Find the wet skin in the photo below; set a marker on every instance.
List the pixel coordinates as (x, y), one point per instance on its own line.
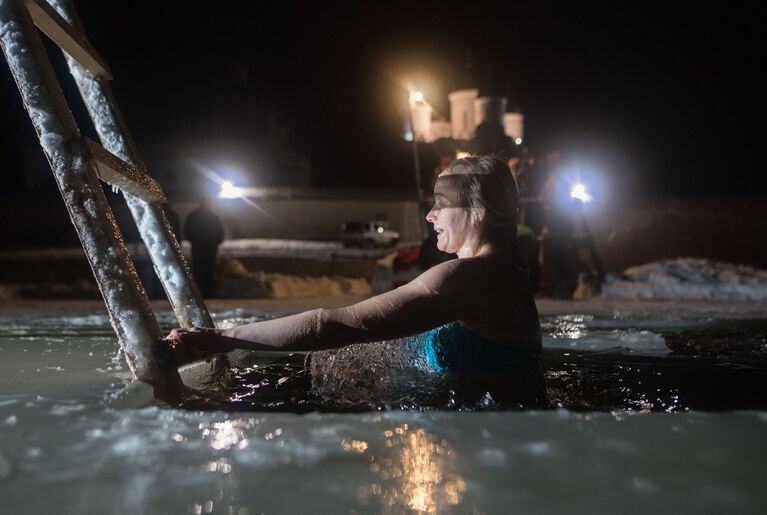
(452, 221)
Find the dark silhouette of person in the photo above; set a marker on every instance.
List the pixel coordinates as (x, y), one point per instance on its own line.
(205, 232)
(490, 138)
(534, 175)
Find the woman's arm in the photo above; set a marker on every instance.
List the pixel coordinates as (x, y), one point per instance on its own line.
(439, 295)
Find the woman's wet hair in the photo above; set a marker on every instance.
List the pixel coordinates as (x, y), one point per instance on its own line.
(486, 182)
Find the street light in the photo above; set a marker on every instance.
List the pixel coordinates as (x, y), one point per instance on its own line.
(580, 192)
(415, 97)
(229, 190)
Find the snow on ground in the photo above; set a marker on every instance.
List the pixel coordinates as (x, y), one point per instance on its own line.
(235, 281)
(680, 279)
(306, 249)
(689, 278)
(250, 245)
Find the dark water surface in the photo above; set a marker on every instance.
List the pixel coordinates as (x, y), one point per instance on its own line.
(710, 366)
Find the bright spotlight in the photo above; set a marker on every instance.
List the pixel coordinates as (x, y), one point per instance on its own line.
(229, 190)
(416, 96)
(462, 155)
(580, 192)
(518, 141)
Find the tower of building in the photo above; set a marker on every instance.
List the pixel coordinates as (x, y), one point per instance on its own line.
(467, 111)
(462, 113)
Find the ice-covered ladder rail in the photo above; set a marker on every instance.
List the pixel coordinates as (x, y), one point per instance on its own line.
(59, 20)
(116, 172)
(74, 163)
(169, 263)
(74, 44)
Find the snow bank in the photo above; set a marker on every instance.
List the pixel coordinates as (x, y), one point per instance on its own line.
(690, 279)
(235, 281)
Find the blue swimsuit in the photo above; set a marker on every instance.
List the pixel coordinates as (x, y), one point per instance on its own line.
(454, 348)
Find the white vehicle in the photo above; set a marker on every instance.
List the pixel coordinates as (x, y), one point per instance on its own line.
(368, 235)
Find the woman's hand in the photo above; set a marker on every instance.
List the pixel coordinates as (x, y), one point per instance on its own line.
(196, 343)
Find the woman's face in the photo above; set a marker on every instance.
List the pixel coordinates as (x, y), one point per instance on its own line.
(452, 220)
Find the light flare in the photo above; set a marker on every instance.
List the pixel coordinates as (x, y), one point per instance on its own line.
(242, 193)
(580, 192)
(229, 190)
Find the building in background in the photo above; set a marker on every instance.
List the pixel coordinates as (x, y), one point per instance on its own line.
(468, 113)
(478, 124)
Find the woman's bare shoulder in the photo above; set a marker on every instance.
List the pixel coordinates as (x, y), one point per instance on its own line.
(456, 274)
(445, 270)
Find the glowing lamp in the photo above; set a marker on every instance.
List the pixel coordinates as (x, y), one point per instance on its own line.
(229, 190)
(580, 192)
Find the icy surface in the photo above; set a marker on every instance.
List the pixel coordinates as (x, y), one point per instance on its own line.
(689, 278)
(164, 461)
(573, 332)
(57, 436)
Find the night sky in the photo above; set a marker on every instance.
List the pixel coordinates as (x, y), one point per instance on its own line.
(661, 100)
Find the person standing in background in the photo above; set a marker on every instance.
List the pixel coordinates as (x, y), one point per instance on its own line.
(205, 232)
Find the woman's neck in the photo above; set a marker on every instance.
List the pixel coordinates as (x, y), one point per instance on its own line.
(476, 249)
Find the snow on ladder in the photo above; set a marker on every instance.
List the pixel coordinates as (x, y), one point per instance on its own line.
(78, 164)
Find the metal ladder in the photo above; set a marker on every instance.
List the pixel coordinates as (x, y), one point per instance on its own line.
(78, 164)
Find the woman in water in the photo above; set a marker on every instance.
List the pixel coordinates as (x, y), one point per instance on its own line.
(472, 313)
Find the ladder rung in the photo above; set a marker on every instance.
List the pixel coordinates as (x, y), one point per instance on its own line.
(113, 170)
(67, 38)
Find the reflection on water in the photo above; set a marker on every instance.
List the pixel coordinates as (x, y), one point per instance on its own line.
(417, 475)
(566, 326)
(224, 435)
(354, 445)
